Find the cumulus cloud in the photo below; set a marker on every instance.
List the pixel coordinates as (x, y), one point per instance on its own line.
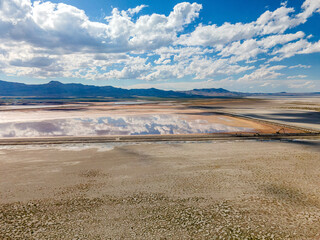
(274, 40)
(14, 10)
(300, 47)
(263, 73)
(309, 7)
(64, 27)
(250, 49)
(44, 29)
(46, 40)
(276, 22)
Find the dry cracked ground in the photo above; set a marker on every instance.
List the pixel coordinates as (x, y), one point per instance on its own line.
(208, 190)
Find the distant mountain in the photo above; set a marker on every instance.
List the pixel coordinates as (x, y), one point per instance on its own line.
(220, 92)
(213, 92)
(55, 89)
(285, 94)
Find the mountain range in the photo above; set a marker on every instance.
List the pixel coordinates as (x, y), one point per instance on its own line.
(55, 89)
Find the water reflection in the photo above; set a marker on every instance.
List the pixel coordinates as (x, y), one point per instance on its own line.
(115, 125)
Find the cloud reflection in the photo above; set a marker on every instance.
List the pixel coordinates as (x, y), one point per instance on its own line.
(115, 125)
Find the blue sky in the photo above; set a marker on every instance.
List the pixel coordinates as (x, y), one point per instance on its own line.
(248, 45)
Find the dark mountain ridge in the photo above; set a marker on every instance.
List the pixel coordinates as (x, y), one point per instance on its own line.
(55, 89)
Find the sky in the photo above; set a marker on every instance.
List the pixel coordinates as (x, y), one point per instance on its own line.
(247, 45)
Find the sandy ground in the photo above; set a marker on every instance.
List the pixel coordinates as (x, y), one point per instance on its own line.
(208, 190)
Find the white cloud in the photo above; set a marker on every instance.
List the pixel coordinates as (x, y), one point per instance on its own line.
(250, 49)
(276, 22)
(14, 10)
(300, 66)
(212, 35)
(263, 73)
(66, 34)
(246, 50)
(300, 47)
(46, 40)
(154, 31)
(274, 40)
(245, 41)
(64, 27)
(301, 84)
(297, 76)
(197, 67)
(310, 48)
(180, 53)
(309, 7)
(136, 10)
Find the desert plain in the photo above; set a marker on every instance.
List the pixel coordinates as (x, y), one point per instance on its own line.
(262, 188)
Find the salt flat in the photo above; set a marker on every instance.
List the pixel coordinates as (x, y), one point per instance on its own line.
(150, 190)
(237, 189)
(295, 111)
(138, 118)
